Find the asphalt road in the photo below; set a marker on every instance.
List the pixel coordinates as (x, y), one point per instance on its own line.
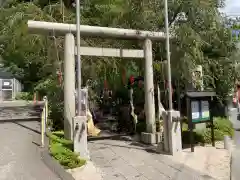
(20, 158)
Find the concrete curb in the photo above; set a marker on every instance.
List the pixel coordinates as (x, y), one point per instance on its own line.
(231, 174)
(53, 165)
(231, 161)
(19, 119)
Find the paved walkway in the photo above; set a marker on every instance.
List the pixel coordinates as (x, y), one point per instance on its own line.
(236, 151)
(124, 160)
(19, 155)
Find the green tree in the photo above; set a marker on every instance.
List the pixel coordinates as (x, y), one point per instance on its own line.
(201, 40)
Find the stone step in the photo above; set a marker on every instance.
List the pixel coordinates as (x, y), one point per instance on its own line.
(20, 110)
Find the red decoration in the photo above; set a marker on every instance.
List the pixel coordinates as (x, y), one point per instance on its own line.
(234, 100)
(105, 84)
(59, 74)
(131, 79)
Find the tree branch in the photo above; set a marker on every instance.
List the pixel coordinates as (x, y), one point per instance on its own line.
(172, 18)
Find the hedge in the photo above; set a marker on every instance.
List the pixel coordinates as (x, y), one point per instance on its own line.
(62, 150)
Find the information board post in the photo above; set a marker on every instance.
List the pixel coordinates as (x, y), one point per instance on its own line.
(190, 125)
(212, 132)
(199, 111)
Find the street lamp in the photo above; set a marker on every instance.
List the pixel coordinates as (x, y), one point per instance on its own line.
(81, 143)
(181, 17)
(78, 57)
(168, 62)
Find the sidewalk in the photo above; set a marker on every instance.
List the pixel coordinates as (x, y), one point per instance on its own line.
(213, 161)
(20, 158)
(235, 164)
(235, 160)
(125, 160)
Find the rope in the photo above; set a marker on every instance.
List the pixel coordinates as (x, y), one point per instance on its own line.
(60, 67)
(62, 8)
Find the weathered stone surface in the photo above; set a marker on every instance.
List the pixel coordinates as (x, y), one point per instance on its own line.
(19, 109)
(134, 161)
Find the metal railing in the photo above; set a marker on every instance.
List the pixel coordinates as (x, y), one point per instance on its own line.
(44, 121)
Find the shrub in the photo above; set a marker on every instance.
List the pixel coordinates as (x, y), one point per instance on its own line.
(59, 134)
(24, 96)
(184, 127)
(62, 150)
(207, 136)
(222, 127)
(141, 126)
(58, 137)
(65, 156)
(198, 138)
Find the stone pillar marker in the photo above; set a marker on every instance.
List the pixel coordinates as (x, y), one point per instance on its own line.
(172, 133)
(80, 136)
(69, 85)
(175, 138)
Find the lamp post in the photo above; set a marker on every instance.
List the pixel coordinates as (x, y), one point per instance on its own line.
(80, 144)
(181, 17)
(78, 57)
(168, 61)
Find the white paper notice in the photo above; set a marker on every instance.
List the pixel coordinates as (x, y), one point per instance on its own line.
(205, 109)
(195, 110)
(6, 83)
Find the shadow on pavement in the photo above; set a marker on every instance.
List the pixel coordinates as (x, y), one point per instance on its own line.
(27, 127)
(24, 119)
(35, 143)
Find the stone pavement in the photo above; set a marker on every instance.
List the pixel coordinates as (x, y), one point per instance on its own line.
(214, 161)
(86, 172)
(236, 157)
(20, 158)
(236, 151)
(126, 160)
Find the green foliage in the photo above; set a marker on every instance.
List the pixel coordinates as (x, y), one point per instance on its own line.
(141, 126)
(60, 149)
(49, 87)
(207, 137)
(24, 96)
(58, 137)
(222, 127)
(201, 40)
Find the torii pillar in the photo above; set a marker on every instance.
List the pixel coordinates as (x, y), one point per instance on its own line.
(69, 85)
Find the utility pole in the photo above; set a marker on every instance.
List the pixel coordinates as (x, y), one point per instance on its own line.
(80, 121)
(78, 57)
(168, 60)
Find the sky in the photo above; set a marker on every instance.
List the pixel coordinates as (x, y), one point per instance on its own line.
(232, 7)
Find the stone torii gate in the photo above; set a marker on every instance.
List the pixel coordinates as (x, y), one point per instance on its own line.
(67, 30)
